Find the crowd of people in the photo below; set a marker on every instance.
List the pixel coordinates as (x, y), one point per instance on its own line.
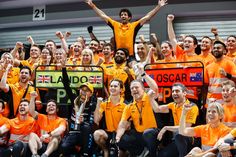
(127, 116)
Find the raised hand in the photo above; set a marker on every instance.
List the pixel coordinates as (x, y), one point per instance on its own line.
(59, 34)
(170, 17)
(33, 94)
(162, 3)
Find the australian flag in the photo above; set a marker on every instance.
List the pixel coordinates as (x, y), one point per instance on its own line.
(44, 79)
(196, 77)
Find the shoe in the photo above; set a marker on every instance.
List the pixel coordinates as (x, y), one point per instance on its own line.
(44, 155)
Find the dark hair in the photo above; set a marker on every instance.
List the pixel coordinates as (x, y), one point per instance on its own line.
(95, 40)
(127, 11)
(24, 100)
(207, 38)
(110, 45)
(54, 101)
(167, 42)
(35, 45)
(219, 42)
(26, 67)
(231, 36)
(183, 87)
(194, 39)
(126, 51)
(3, 103)
(118, 80)
(51, 41)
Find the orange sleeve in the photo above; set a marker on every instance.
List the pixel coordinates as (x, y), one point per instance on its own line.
(179, 52)
(102, 107)
(192, 115)
(198, 130)
(126, 113)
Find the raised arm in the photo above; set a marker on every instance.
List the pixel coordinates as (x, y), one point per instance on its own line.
(150, 14)
(15, 51)
(3, 84)
(171, 32)
(32, 111)
(99, 12)
(64, 44)
(183, 130)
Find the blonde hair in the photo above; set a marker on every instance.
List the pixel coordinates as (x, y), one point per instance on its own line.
(90, 52)
(219, 108)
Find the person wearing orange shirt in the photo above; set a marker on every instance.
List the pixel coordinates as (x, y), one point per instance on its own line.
(227, 144)
(35, 52)
(51, 127)
(121, 71)
(20, 128)
(113, 109)
(206, 47)
(125, 31)
(179, 92)
(231, 47)
(19, 90)
(229, 104)
(209, 133)
(77, 49)
(142, 116)
(4, 137)
(218, 71)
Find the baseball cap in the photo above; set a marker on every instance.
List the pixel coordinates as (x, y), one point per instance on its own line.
(89, 85)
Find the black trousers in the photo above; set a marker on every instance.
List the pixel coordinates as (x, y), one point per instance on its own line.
(82, 138)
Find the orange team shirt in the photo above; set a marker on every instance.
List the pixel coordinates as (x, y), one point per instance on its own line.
(214, 78)
(28, 63)
(97, 56)
(148, 117)
(48, 125)
(113, 114)
(20, 129)
(125, 34)
(233, 132)
(177, 111)
(18, 92)
(70, 61)
(182, 56)
(172, 65)
(3, 138)
(229, 113)
(209, 136)
(231, 55)
(207, 59)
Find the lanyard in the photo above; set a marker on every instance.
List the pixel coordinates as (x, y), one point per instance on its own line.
(140, 113)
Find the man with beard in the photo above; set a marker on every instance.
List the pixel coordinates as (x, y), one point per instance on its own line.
(51, 128)
(121, 71)
(179, 92)
(218, 71)
(20, 128)
(126, 31)
(80, 118)
(206, 56)
(94, 46)
(18, 90)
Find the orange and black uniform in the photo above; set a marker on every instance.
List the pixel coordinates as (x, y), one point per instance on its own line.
(143, 118)
(125, 34)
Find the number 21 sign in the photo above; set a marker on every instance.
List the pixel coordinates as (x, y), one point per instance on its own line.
(39, 13)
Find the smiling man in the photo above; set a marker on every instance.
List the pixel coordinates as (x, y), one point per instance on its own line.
(51, 127)
(126, 31)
